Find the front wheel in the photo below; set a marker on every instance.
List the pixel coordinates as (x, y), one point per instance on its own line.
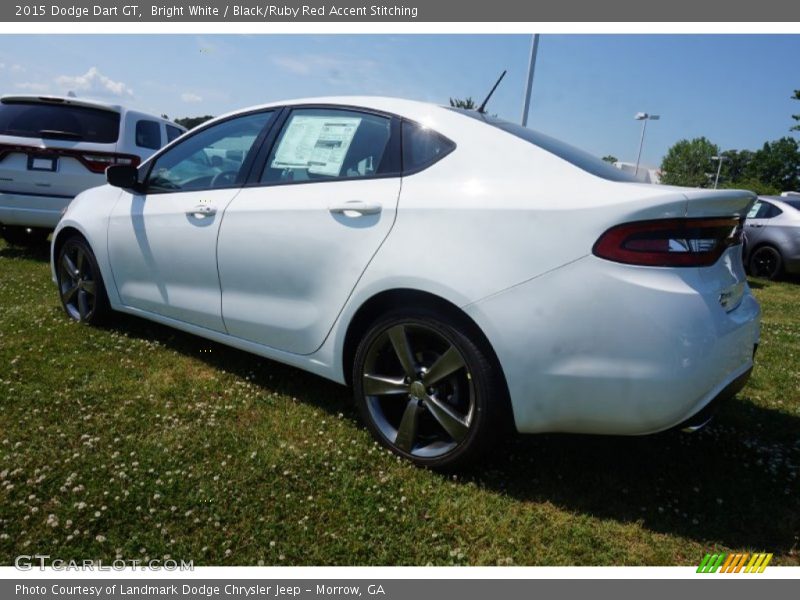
(766, 262)
(80, 284)
(426, 390)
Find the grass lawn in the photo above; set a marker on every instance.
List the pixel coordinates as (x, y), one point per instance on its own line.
(140, 441)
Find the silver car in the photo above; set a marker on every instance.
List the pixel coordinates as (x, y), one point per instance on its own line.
(772, 237)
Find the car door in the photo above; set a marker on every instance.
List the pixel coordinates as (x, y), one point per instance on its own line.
(162, 242)
(294, 243)
(758, 217)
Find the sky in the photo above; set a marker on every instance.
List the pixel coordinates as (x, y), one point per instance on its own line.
(734, 89)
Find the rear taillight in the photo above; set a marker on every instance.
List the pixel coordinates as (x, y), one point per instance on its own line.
(670, 242)
(96, 162)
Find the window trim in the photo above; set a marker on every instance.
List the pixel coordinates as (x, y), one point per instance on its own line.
(247, 164)
(260, 163)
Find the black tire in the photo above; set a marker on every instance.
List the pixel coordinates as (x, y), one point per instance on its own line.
(18, 235)
(766, 262)
(456, 418)
(80, 283)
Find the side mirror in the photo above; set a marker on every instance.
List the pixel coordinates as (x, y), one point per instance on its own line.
(123, 176)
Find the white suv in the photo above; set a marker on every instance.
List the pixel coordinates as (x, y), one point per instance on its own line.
(52, 148)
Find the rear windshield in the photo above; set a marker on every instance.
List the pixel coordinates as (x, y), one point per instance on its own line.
(59, 121)
(581, 159)
(793, 203)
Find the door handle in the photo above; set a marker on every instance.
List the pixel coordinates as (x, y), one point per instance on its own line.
(754, 225)
(201, 211)
(358, 207)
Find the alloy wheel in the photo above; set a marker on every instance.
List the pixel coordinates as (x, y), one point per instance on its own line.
(766, 262)
(418, 389)
(77, 282)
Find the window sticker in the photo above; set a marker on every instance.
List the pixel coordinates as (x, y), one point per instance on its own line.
(316, 143)
(754, 210)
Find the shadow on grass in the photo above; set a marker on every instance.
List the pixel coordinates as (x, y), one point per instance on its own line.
(734, 482)
(37, 252)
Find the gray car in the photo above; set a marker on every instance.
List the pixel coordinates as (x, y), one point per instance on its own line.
(772, 237)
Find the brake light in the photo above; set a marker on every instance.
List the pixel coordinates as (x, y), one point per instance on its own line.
(670, 242)
(96, 162)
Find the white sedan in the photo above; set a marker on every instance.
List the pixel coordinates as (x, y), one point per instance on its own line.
(463, 274)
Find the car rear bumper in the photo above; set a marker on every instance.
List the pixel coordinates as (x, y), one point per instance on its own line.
(599, 347)
(701, 418)
(32, 210)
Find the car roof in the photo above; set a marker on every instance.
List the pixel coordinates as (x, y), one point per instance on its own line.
(779, 201)
(65, 100)
(412, 109)
(87, 102)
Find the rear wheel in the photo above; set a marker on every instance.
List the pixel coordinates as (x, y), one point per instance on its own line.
(766, 262)
(426, 390)
(18, 235)
(80, 284)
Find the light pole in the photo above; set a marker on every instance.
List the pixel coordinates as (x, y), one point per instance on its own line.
(529, 84)
(720, 159)
(644, 118)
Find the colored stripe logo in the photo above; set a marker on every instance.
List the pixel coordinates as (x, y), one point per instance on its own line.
(735, 563)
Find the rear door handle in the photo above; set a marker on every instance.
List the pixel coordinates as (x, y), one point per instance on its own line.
(355, 208)
(202, 210)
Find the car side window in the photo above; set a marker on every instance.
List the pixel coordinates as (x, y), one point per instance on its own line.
(148, 134)
(422, 147)
(763, 210)
(211, 158)
(323, 144)
(173, 133)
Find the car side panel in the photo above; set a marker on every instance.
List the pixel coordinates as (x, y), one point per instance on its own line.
(600, 347)
(786, 238)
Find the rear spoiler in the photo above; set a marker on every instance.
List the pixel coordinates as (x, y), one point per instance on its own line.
(717, 203)
(8, 99)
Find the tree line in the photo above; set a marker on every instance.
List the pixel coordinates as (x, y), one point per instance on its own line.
(770, 170)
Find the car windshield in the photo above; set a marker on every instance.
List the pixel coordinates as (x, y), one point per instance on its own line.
(575, 156)
(59, 121)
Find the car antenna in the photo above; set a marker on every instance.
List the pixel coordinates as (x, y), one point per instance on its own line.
(482, 107)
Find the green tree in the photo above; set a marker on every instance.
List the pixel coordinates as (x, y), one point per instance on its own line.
(754, 185)
(777, 164)
(796, 127)
(737, 165)
(688, 163)
(610, 158)
(192, 122)
(467, 103)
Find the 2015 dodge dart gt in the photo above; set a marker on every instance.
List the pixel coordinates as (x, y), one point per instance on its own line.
(460, 272)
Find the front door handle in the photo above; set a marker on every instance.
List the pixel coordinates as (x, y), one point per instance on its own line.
(355, 208)
(202, 211)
